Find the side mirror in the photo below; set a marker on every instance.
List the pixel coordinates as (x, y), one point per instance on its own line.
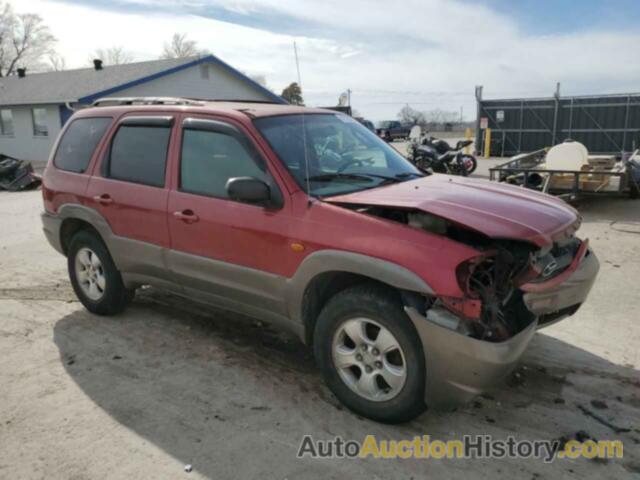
(249, 190)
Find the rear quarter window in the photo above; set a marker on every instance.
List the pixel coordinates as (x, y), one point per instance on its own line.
(78, 143)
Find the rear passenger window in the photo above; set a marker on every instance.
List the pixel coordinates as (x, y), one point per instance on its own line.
(78, 143)
(209, 159)
(139, 154)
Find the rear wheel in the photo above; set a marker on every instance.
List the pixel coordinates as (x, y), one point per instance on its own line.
(370, 354)
(94, 277)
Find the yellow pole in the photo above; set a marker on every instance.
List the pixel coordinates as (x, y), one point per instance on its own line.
(487, 143)
(467, 136)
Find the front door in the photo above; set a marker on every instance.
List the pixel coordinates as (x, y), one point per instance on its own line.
(222, 248)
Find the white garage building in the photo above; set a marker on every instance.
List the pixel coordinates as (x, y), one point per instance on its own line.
(34, 107)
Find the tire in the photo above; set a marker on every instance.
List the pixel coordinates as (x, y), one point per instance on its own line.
(109, 297)
(473, 161)
(378, 307)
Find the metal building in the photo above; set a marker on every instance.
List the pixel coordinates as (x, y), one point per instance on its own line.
(605, 124)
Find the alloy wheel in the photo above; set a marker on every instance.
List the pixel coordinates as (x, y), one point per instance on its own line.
(369, 359)
(90, 273)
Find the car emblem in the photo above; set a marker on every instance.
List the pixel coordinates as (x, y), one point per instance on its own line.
(549, 268)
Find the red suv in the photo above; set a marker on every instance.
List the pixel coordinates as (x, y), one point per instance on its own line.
(414, 290)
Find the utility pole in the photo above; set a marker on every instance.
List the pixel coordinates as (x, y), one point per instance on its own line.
(349, 96)
(556, 97)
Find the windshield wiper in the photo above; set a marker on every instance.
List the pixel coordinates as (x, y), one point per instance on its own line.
(352, 176)
(386, 178)
(408, 174)
(334, 176)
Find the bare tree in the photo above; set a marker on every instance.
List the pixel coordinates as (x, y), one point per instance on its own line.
(112, 56)
(180, 47)
(411, 116)
(437, 117)
(24, 40)
(57, 62)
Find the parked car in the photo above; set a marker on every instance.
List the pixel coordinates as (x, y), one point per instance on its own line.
(391, 130)
(412, 290)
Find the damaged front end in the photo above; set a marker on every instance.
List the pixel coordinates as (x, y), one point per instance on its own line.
(505, 288)
(492, 279)
(518, 284)
(510, 289)
(522, 268)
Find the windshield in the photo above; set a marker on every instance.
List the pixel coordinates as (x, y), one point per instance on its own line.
(343, 156)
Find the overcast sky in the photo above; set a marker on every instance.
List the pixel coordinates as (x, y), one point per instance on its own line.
(427, 53)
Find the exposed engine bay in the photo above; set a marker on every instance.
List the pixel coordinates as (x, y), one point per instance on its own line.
(492, 308)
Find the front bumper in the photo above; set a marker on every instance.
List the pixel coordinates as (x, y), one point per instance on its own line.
(557, 303)
(460, 367)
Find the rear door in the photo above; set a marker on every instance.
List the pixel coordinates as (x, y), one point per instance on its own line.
(129, 191)
(223, 248)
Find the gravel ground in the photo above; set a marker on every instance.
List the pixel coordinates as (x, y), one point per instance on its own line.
(170, 383)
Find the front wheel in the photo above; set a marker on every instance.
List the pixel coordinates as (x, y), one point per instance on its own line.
(370, 354)
(470, 163)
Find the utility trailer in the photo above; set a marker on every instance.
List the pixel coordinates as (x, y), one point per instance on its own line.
(603, 176)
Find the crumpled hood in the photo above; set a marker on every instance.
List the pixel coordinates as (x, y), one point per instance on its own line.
(494, 209)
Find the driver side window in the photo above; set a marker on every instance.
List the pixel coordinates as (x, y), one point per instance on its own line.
(209, 159)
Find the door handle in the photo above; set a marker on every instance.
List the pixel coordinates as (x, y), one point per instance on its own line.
(187, 216)
(103, 199)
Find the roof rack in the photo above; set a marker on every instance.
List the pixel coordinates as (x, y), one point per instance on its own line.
(116, 101)
(239, 100)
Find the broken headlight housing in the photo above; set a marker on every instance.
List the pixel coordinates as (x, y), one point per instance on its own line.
(493, 279)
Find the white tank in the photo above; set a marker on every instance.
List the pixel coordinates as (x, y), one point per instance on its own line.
(567, 156)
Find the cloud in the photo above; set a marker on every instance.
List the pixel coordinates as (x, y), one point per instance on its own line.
(428, 53)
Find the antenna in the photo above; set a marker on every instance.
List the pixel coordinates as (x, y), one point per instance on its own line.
(304, 129)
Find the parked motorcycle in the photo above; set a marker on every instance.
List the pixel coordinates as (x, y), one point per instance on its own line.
(436, 155)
